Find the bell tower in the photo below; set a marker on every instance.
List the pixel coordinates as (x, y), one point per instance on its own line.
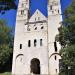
(21, 19)
(54, 20)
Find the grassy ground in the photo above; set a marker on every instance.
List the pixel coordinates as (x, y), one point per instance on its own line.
(6, 73)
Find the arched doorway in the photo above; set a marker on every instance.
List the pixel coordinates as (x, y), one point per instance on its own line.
(35, 66)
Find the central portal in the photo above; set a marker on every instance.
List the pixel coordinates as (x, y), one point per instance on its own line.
(35, 66)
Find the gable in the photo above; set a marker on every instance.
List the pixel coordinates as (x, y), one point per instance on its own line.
(37, 16)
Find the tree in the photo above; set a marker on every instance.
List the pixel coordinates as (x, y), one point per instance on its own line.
(6, 43)
(67, 29)
(67, 38)
(6, 5)
(63, 36)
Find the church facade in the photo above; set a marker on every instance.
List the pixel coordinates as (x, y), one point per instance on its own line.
(35, 49)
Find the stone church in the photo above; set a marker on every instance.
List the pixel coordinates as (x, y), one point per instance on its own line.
(35, 49)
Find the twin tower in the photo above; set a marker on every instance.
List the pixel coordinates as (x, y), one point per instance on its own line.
(35, 49)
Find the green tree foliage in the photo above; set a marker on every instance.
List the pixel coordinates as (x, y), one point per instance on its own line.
(6, 5)
(67, 38)
(6, 43)
(63, 36)
(69, 21)
(68, 55)
(68, 60)
(67, 30)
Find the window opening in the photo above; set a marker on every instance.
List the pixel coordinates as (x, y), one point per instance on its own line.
(55, 46)
(38, 18)
(35, 41)
(55, 57)
(22, 12)
(58, 11)
(29, 43)
(41, 42)
(56, 70)
(42, 27)
(51, 7)
(35, 28)
(35, 19)
(20, 46)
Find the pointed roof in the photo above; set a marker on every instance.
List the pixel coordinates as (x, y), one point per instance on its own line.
(37, 16)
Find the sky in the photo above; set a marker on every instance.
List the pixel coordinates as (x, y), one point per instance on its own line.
(10, 16)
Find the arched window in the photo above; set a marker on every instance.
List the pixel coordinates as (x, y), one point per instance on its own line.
(29, 43)
(41, 42)
(35, 42)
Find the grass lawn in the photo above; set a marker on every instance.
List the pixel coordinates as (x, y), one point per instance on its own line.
(5, 73)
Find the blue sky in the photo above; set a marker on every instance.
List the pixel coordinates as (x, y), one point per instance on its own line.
(38, 4)
(10, 16)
